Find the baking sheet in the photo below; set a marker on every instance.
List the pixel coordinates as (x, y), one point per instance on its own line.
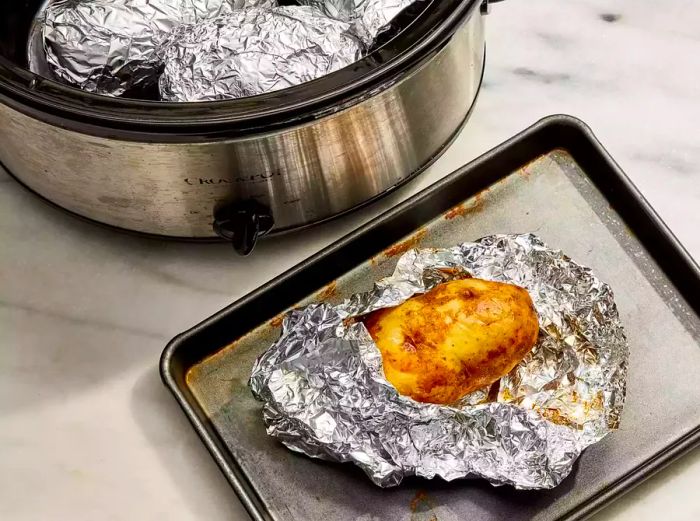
(554, 180)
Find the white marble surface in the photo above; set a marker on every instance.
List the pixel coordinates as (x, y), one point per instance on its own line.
(86, 429)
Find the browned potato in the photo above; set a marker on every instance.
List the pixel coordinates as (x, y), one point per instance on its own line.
(457, 338)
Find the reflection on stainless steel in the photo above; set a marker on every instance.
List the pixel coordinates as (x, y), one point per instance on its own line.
(303, 174)
(111, 46)
(254, 51)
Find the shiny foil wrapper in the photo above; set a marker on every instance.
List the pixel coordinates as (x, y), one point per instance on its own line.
(254, 51)
(369, 17)
(111, 47)
(325, 395)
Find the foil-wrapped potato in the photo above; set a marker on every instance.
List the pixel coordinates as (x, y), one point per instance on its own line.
(455, 339)
(369, 17)
(254, 51)
(112, 47)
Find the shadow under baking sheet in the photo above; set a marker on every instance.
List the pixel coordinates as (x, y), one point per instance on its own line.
(554, 180)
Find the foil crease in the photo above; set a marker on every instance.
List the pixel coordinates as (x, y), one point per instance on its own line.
(255, 51)
(111, 47)
(369, 17)
(324, 393)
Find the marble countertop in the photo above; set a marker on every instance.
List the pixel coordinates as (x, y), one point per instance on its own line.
(87, 431)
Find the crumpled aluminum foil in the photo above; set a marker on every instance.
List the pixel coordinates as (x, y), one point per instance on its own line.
(254, 51)
(369, 17)
(112, 46)
(325, 394)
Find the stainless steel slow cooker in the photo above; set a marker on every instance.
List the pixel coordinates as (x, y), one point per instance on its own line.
(243, 168)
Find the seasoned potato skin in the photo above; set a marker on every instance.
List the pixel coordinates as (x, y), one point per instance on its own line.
(457, 338)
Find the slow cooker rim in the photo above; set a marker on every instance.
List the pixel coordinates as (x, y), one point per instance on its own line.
(76, 109)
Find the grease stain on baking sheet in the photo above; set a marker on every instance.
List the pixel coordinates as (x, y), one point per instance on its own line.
(197, 371)
(525, 173)
(458, 211)
(407, 245)
(277, 320)
(328, 292)
(421, 506)
(467, 208)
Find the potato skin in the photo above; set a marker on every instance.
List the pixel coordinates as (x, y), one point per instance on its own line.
(459, 337)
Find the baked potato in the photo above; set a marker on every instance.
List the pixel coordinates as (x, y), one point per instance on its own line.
(459, 337)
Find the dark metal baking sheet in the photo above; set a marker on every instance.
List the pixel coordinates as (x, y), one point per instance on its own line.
(554, 179)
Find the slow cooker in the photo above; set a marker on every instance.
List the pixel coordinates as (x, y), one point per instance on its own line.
(243, 168)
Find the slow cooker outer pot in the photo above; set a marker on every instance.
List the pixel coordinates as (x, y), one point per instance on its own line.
(302, 175)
